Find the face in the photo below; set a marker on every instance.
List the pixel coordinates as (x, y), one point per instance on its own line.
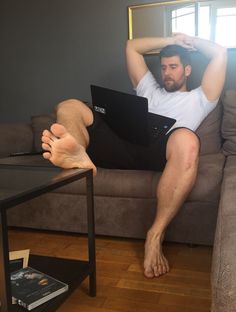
(174, 74)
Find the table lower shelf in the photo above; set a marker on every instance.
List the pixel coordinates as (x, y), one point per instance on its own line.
(71, 272)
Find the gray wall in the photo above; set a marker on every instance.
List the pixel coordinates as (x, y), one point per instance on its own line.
(52, 50)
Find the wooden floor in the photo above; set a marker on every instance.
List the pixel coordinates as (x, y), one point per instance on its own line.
(121, 285)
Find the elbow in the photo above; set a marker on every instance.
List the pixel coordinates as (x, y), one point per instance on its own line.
(226, 53)
(221, 56)
(224, 56)
(128, 44)
(223, 52)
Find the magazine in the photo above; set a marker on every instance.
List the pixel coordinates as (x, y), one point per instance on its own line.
(30, 287)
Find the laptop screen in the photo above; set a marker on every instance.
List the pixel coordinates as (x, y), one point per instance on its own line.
(125, 114)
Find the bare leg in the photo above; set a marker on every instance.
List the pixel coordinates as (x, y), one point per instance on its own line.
(65, 144)
(175, 184)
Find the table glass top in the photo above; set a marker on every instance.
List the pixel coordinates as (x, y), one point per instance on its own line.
(17, 181)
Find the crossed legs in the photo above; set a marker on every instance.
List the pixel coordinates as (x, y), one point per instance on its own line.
(65, 146)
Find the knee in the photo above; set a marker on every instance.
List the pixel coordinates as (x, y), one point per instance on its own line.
(184, 145)
(74, 108)
(71, 104)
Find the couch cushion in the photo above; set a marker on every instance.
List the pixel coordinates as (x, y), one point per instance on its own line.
(139, 183)
(210, 132)
(40, 123)
(15, 138)
(210, 174)
(228, 123)
(142, 184)
(26, 160)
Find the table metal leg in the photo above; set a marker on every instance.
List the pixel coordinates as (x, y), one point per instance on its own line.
(5, 288)
(91, 234)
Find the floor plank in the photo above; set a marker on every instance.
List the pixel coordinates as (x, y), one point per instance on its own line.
(121, 285)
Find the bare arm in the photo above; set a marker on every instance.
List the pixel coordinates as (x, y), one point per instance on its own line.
(135, 50)
(214, 76)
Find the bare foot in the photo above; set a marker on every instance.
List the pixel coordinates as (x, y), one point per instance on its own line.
(62, 149)
(155, 263)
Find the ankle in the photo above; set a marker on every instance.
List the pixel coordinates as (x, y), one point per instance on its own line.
(153, 234)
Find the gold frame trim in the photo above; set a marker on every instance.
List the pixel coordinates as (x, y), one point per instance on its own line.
(140, 6)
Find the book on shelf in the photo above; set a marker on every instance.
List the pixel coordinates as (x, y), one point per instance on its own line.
(18, 259)
(31, 288)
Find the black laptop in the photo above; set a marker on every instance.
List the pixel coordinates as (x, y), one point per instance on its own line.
(127, 115)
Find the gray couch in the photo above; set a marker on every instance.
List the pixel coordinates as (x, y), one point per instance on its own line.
(125, 200)
(224, 253)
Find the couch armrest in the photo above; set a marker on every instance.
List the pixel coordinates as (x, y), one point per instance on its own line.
(15, 138)
(228, 123)
(224, 253)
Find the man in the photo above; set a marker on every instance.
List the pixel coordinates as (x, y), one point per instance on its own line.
(176, 154)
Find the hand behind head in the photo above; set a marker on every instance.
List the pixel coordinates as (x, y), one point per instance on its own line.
(184, 41)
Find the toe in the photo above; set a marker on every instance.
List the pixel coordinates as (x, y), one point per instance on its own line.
(167, 266)
(46, 139)
(58, 130)
(148, 273)
(160, 269)
(156, 271)
(46, 147)
(47, 155)
(46, 133)
(164, 270)
(48, 136)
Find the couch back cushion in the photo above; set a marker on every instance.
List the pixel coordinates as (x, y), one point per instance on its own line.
(209, 132)
(40, 123)
(15, 138)
(229, 123)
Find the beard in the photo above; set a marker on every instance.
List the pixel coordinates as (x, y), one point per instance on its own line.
(171, 85)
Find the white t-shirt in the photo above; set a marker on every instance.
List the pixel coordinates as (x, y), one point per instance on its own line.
(188, 108)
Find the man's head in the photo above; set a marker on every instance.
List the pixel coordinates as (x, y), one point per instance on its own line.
(175, 67)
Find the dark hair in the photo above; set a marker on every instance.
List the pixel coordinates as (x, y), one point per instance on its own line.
(176, 50)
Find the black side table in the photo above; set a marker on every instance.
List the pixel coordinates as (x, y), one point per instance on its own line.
(21, 183)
